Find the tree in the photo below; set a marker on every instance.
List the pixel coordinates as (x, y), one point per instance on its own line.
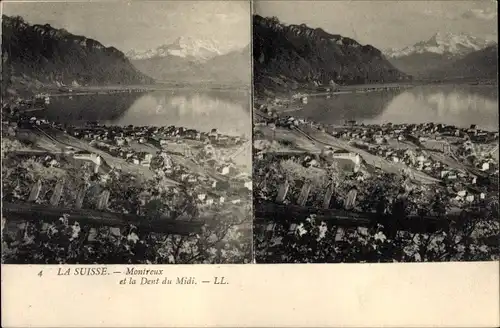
(274, 20)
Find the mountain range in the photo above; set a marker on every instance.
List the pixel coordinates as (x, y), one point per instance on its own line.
(183, 47)
(481, 64)
(42, 54)
(438, 56)
(294, 56)
(188, 59)
(284, 56)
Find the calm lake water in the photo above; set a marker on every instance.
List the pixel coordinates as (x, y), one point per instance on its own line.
(459, 105)
(228, 111)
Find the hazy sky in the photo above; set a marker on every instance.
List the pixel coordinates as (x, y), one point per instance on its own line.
(387, 24)
(142, 24)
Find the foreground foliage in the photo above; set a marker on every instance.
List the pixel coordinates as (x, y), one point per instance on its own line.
(225, 239)
(316, 241)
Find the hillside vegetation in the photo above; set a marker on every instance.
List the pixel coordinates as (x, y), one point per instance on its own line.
(297, 55)
(41, 55)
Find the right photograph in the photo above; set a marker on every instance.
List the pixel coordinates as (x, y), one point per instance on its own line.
(375, 131)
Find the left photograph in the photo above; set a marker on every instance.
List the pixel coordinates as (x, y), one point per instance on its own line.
(126, 132)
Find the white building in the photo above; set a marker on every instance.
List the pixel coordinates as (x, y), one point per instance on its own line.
(87, 156)
(224, 170)
(120, 141)
(444, 173)
(342, 157)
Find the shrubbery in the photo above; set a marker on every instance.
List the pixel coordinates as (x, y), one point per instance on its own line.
(315, 241)
(225, 239)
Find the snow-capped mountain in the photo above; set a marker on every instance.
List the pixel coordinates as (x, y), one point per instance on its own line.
(187, 61)
(183, 47)
(441, 50)
(445, 44)
(481, 64)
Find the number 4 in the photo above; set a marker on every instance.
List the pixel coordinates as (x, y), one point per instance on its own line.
(40, 273)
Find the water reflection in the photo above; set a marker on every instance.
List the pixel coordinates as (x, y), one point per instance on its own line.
(352, 106)
(454, 104)
(80, 109)
(229, 112)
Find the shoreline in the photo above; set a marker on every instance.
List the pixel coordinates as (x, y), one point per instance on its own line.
(55, 91)
(364, 88)
(104, 91)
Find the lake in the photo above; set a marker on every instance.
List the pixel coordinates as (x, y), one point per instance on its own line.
(459, 105)
(227, 111)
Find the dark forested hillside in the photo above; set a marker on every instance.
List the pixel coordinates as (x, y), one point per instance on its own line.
(47, 55)
(295, 55)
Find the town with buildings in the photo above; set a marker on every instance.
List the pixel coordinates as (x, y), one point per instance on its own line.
(157, 149)
(212, 169)
(458, 166)
(466, 156)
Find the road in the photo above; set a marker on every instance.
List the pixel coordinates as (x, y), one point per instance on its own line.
(494, 152)
(160, 86)
(362, 88)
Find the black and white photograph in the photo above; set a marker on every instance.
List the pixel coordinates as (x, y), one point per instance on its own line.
(375, 131)
(126, 132)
